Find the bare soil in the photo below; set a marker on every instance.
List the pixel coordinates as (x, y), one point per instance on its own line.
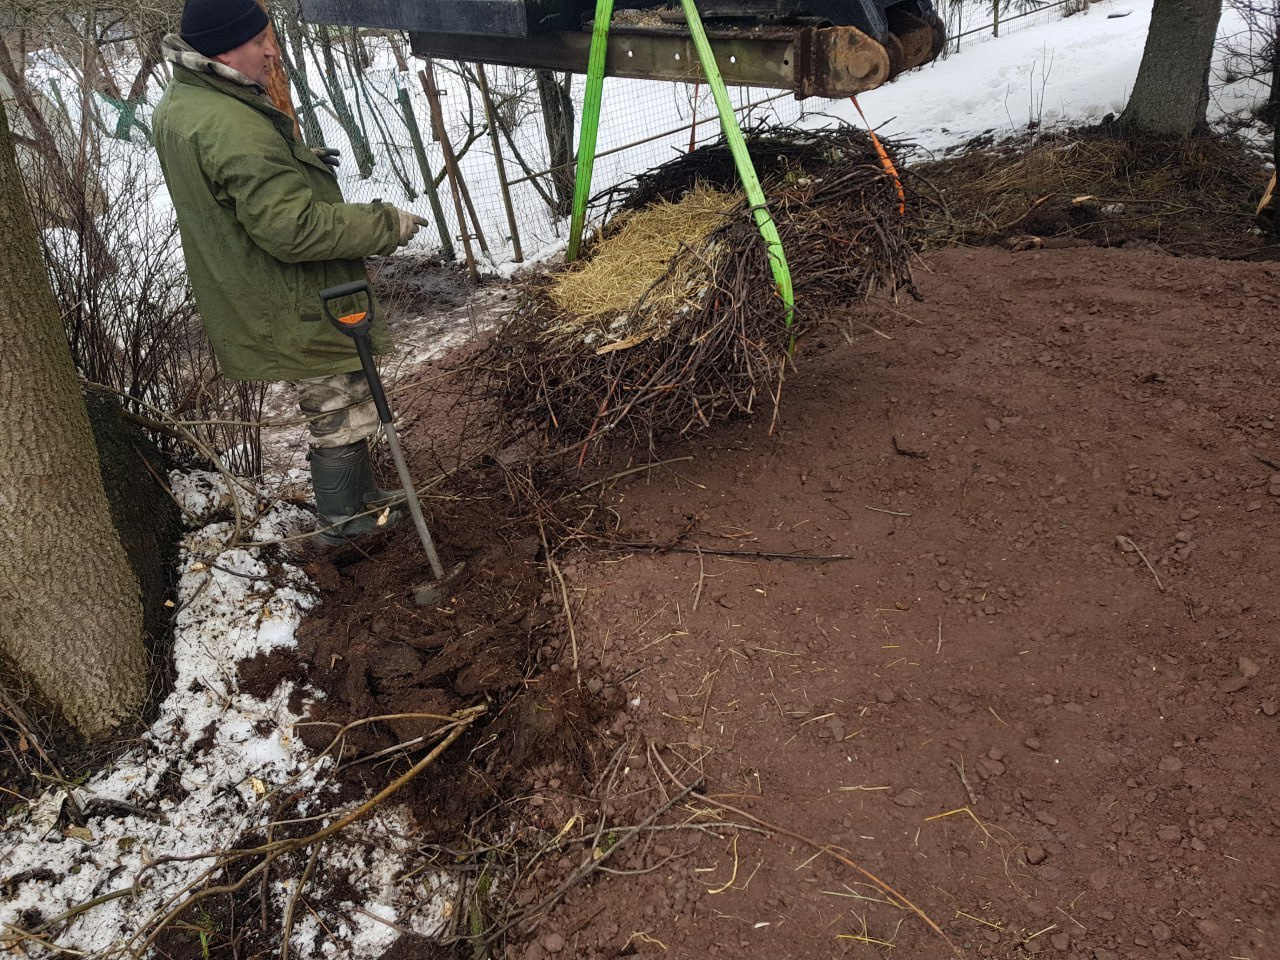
(984, 620)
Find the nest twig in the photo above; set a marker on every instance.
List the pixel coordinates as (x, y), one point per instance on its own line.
(705, 338)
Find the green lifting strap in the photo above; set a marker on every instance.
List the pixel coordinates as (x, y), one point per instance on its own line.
(742, 159)
(590, 125)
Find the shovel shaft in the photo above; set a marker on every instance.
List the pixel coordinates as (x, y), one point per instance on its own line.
(357, 327)
(375, 382)
(415, 509)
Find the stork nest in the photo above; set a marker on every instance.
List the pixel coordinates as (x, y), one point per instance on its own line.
(673, 319)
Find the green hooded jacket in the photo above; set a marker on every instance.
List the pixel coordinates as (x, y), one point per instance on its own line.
(264, 229)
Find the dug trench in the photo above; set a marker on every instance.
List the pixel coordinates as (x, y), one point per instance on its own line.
(980, 637)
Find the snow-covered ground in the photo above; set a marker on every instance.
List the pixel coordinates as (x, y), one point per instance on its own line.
(208, 767)
(228, 751)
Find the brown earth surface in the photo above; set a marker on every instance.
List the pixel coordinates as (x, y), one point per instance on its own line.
(979, 635)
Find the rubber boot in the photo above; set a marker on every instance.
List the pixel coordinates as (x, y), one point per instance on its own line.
(345, 489)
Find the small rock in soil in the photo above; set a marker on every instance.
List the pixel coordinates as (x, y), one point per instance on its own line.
(885, 695)
(1170, 764)
(1161, 932)
(907, 798)
(1036, 854)
(553, 943)
(1248, 668)
(1233, 684)
(1060, 942)
(1270, 708)
(990, 768)
(1210, 930)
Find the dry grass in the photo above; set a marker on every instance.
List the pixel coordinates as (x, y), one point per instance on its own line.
(1194, 196)
(638, 256)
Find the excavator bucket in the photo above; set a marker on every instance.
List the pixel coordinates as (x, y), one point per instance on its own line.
(825, 48)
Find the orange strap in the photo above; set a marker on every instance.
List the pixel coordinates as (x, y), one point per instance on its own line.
(885, 160)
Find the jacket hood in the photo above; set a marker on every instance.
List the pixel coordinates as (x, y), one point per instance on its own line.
(181, 54)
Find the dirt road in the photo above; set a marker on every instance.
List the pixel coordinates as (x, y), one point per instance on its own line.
(1022, 667)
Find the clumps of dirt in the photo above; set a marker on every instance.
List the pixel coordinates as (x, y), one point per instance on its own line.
(412, 286)
(390, 673)
(1094, 187)
(707, 330)
(261, 674)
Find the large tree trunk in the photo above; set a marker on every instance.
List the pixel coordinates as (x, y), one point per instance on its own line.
(1171, 93)
(70, 614)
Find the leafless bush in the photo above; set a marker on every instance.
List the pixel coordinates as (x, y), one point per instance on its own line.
(128, 309)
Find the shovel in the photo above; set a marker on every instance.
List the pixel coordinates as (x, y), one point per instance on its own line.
(357, 327)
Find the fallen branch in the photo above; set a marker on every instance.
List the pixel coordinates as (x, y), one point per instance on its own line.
(758, 554)
(193, 893)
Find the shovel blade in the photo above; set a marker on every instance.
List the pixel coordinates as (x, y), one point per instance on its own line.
(435, 592)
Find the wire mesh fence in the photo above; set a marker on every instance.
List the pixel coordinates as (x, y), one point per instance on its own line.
(511, 190)
(513, 133)
(486, 154)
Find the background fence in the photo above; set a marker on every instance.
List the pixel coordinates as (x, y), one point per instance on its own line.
(644, 123)
(512, 131)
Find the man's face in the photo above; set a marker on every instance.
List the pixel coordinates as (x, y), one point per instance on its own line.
(253, 59)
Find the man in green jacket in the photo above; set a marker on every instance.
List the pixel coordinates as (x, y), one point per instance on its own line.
(264, 229)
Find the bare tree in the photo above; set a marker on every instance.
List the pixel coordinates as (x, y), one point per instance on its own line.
(555, 93)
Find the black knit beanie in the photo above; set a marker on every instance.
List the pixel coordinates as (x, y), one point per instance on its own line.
(216, 26)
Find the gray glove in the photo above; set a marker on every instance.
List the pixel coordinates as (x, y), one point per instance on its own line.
(410, 224)
(328, 155)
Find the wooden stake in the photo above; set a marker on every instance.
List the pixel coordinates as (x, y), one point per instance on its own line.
(424, 166)
(427, 76)
(492, 119)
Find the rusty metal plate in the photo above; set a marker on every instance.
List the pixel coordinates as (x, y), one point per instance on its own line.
(828, 62)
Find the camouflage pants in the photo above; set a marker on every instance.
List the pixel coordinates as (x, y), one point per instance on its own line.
(339, 408)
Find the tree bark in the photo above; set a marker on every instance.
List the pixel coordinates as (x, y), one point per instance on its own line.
(555, 96)
(70, 614)
(1171, 94)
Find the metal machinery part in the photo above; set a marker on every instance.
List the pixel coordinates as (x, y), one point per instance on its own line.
(822, 48)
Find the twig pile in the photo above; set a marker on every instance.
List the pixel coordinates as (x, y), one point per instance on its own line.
(673, 321)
